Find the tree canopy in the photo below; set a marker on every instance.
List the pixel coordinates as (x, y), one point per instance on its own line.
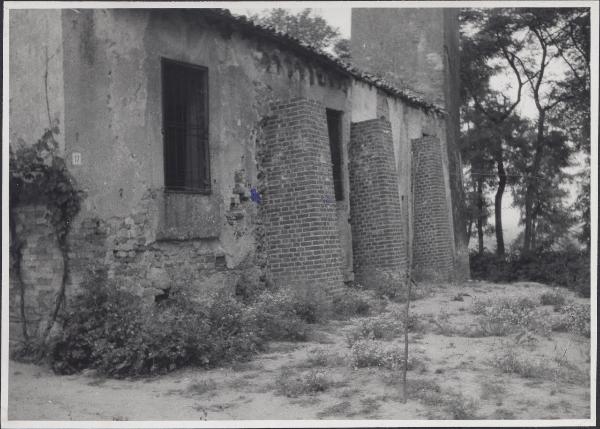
(307, 27)
(542, 54)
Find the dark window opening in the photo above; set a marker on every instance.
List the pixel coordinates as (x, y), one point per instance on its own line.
(334, 126)
(185, 127)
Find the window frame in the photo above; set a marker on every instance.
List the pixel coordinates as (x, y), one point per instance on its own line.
(207, 189)
(338, 115)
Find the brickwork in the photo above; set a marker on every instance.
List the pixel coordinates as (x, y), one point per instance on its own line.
(302, 241)
(432, 242)
(375, 209)
(41, 272)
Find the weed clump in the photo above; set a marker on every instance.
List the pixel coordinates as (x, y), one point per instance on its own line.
(319, 358)
(574, 318)
(390, 285)
(460, 407)
(293, 385)
(353, 302)
(370, 353)
(508, 316)
(554, 298)
(375, 328)
(510, 362)
(278, 316)
(385, 326)
(455, 404)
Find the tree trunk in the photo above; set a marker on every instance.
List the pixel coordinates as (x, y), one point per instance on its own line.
(498, 205)
(534, 226)
(532, 184)
(480, 216)
(469, 230)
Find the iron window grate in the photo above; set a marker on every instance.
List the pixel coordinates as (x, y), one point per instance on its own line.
(185, 127)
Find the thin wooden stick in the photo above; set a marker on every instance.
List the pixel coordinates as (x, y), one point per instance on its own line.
(409, 280)
(405, 369)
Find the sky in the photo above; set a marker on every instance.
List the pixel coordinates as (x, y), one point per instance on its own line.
(340, 17)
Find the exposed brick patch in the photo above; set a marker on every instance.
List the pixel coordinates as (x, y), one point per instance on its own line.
(41, 271)
(432, 242)
(375, 210)
(302, 243)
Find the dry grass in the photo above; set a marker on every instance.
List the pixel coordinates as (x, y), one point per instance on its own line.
(339, 409)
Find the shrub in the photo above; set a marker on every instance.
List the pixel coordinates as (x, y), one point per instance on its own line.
(554, 298)
(460, 407)
(381, 327)
(386, 326)
(292, 385)
(274, 313)
(508, 361)
(310, 303)
(250, 284)
(352, 302)
(383, 283)
(565, 268)
(112, 331)
(317, 357)
(576, 318)
(509, 315)
(369, 353)
(454, 403)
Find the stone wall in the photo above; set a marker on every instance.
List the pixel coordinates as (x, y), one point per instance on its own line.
(302, 242)
(432, 239)
(378, 241)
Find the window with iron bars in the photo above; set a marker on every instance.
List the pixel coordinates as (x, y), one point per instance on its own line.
(185, 127)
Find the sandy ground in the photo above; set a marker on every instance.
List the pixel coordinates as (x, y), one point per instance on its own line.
(251, 390)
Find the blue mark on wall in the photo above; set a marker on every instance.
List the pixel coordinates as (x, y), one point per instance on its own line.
(255, 196)
(328, 199)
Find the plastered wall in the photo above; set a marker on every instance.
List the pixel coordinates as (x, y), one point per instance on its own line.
(107, 93)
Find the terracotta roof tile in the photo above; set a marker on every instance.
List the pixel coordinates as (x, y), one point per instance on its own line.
(328, 59)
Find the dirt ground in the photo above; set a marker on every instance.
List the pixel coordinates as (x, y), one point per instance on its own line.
(448, 362)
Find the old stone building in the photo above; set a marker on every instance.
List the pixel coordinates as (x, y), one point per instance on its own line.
(212, 150)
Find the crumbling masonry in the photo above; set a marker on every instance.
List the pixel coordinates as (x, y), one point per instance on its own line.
(212, 151)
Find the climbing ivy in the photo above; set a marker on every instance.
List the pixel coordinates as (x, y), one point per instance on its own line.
(38, 175)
